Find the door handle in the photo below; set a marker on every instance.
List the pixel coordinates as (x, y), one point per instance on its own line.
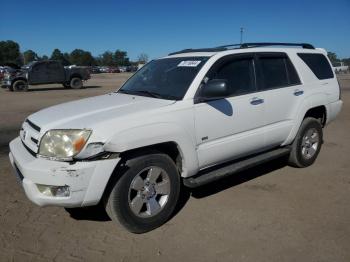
(298, 92)
(257, 101)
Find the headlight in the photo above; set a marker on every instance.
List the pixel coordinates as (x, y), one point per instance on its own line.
(63, 144)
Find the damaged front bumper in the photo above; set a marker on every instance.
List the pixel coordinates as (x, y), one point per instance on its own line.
(84, 182)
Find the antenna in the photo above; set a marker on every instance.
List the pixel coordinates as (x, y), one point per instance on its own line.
(242, 30)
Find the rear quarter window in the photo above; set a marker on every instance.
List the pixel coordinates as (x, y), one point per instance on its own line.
(318, 64)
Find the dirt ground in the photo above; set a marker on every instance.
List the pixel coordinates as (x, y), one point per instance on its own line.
(269, 213)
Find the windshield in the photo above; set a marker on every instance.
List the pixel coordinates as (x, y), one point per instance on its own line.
(167, 78)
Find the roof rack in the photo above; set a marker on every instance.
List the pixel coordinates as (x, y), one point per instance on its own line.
(244, 45)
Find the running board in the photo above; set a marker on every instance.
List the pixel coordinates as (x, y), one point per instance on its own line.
(206, 177)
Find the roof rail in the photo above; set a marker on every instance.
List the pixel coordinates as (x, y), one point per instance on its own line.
(303, 45)
(244, 45)
(190, 50)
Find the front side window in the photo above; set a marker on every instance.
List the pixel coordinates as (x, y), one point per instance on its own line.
(167, 78)
(239, 74)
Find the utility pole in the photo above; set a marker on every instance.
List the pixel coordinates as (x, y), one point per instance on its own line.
(242, 30)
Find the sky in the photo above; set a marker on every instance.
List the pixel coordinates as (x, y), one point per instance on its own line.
(159, 27)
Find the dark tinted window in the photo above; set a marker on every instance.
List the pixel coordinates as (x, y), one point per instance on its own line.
(293, 77)
(240, 75)
(274, 72)
(318, 64)
(39, 67)
(53, 66)
(277, 71)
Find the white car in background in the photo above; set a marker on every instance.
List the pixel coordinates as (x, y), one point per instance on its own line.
(189, 118)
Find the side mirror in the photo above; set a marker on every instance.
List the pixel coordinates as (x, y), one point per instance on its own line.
(213, 90)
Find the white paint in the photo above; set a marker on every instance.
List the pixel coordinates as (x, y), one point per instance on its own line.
(124, 122)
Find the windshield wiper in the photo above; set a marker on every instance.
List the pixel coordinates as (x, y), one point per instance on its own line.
(141, 92)
(148, 93)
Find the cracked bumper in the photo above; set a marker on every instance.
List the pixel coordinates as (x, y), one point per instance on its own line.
(86, 180)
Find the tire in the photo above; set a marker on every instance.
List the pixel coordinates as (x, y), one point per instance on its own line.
(19, 86)
(66, 85)
(307, 143)
(76, 83)
(137, 205)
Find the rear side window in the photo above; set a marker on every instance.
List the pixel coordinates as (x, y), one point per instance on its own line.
(277, 71)
(318, 64)
(239, 74)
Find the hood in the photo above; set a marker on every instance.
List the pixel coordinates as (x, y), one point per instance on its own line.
(88, 112)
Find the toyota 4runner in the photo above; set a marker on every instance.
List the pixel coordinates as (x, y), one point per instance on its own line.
(189, 118)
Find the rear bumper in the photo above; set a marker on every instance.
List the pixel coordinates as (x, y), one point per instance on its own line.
(86, 180)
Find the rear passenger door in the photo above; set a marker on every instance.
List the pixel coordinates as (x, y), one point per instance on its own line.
(280, 86)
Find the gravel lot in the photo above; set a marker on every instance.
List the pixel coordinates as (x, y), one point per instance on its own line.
(269, 213)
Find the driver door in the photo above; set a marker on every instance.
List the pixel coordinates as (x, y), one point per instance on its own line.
(38, 73)
(232, 127)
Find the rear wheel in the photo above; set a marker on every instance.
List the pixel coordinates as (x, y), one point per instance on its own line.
(146, 194)
(307, 143)
(76, 83)
(19, 86)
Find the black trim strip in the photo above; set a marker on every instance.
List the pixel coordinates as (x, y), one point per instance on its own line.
(34, 126)
(28, 149)
(19, 174)
(34, 140)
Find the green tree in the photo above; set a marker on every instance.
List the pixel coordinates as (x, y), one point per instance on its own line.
(82, 58)
(333, 57)
(59, 56)
(121, 58)
(29, 56)
(106, 59)
(44, 57)
(9, 52)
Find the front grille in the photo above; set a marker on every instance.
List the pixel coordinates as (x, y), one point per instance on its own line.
(30, 135)
(34, 126)
(34, 140)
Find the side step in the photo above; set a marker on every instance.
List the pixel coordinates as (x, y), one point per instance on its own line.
(206, 177)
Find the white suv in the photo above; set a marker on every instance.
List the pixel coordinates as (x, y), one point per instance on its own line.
(190, 118)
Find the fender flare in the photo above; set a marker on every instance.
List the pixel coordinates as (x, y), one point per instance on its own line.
(309, 103)
(152, 134)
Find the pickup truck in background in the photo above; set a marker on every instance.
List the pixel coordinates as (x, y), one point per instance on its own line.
(45, 72)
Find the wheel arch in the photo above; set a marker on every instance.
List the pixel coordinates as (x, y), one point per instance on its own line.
(318, 111)
(75, 75)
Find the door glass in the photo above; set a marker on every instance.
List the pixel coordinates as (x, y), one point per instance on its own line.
(274, 72)
(239, 74)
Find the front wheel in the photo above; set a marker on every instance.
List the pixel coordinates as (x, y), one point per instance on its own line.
(307, 143)
(146, 194)
(19, 86)
(76, 83)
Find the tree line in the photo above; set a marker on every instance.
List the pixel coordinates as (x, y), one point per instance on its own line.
(10, 53)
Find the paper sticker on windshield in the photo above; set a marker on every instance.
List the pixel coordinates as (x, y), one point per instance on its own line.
(189, 63)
